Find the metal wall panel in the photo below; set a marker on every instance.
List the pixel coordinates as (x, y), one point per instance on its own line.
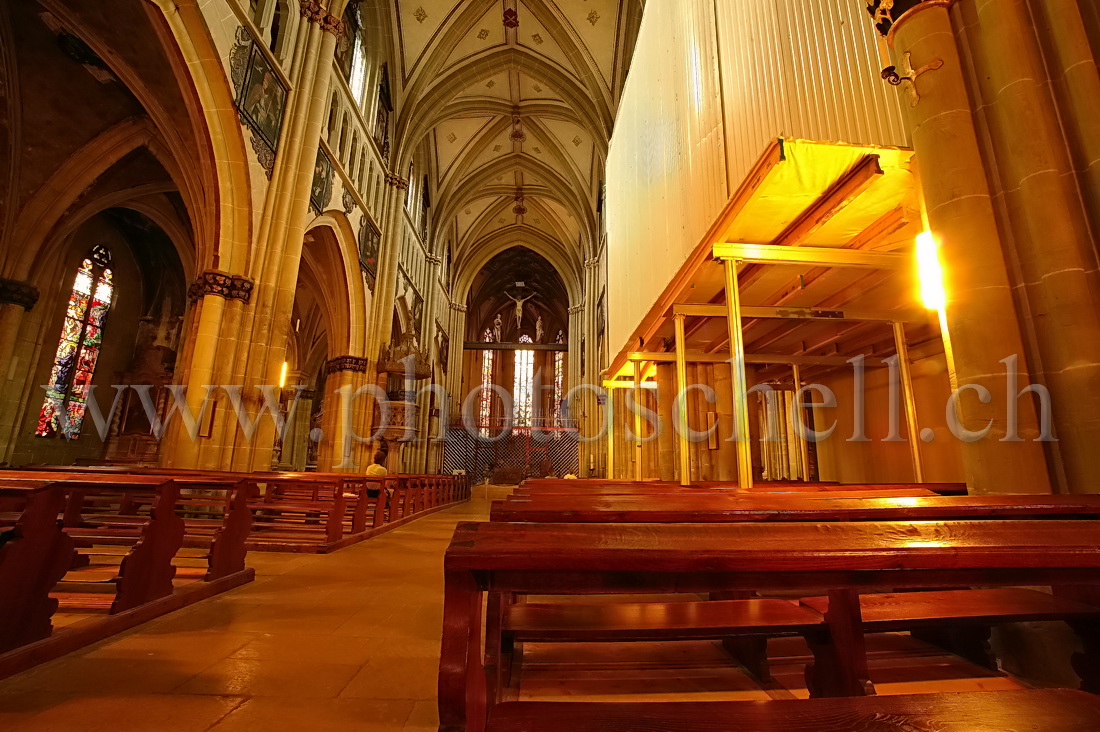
(711, 83)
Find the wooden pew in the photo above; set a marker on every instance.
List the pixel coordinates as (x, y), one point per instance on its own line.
(978, 711)
(582, 488)
(107, 509)
(788, 507)
(292, 511)
(34, 555)
(959, 621)
(100, 594)
(848, 557)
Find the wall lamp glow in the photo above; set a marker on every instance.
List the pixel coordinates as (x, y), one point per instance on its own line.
(930, 271)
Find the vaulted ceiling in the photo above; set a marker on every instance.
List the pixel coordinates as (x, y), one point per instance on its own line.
(516, 99)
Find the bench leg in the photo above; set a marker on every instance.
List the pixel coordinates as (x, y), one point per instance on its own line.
(840, 656)
(462, 703)
(752, 654)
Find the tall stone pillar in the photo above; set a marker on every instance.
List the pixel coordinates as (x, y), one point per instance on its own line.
(271, 316)
(339, 450)
(1050, 235)
(983, 326)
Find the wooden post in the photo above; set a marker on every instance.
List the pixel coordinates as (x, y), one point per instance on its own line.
(910, 400)
(737, 368)
(803, 447)
(681, 403)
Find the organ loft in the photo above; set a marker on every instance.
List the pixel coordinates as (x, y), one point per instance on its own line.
(522, 365)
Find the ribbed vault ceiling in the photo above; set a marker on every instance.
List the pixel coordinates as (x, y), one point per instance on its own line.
(517, 99)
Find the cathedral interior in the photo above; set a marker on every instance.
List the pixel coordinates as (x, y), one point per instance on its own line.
(523, 365)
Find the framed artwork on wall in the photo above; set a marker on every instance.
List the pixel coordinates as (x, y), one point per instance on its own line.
(321, 190)
(261, 98)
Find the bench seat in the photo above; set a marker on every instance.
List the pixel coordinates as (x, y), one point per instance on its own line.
(981, 711)
(657, 621)
(904, 610)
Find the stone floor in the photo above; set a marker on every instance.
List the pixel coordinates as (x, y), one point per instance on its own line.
(347, 640)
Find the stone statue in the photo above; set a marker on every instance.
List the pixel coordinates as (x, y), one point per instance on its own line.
(538, 330)
(519, 307)
(497, 326)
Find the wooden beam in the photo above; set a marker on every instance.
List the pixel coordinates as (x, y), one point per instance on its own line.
(754, 358)
(845, 190)
(810, 256)
(908, 315)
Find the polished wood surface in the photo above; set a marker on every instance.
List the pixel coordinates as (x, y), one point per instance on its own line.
(656, 620)
(720, 509)
(906, 610)
(984, 711)
(602, 488)
(779, 547)
(557, 558)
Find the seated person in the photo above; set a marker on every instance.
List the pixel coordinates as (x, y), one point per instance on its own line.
(377, 469)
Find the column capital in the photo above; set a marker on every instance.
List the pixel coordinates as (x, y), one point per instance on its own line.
(397, 181)
(458, 307)
(223, 284)
(591, 263)
(888, 14)
(576, 309)
(315, 12)
(433, 259)
(355, 364)
(14, 292)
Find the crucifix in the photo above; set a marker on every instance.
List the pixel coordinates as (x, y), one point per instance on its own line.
(519, 307)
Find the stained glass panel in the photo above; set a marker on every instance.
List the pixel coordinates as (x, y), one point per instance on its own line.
(70, 331)
(486, 407)
(77, 306)
(99, 312)
(47, 419)
(78, 348)
(559, 385)
(521, 391)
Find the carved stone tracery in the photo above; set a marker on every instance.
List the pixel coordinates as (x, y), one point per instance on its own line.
(223, 284)
(14, 292)
(354, 364)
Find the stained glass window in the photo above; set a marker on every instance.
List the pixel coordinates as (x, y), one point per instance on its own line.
(78, 348)
(486, 406)
(521, 387)
(559, 385)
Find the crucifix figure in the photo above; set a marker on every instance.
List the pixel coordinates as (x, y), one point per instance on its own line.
(519, 307)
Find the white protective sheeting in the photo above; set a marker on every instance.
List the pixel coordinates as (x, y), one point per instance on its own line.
(712, 82)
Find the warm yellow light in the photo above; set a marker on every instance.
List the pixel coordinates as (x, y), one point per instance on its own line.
(931, 273)
(282, 375)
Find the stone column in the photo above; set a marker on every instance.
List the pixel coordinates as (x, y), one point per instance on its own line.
(338, 450)
(1041, 205)
(983, 326)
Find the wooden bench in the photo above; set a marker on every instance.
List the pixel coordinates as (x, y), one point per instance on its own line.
(788, 507)
(292, 511)
(959, 621)
(53, 549)
(847, 557)
(604, 487)
(977, 711)
(34, 555)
